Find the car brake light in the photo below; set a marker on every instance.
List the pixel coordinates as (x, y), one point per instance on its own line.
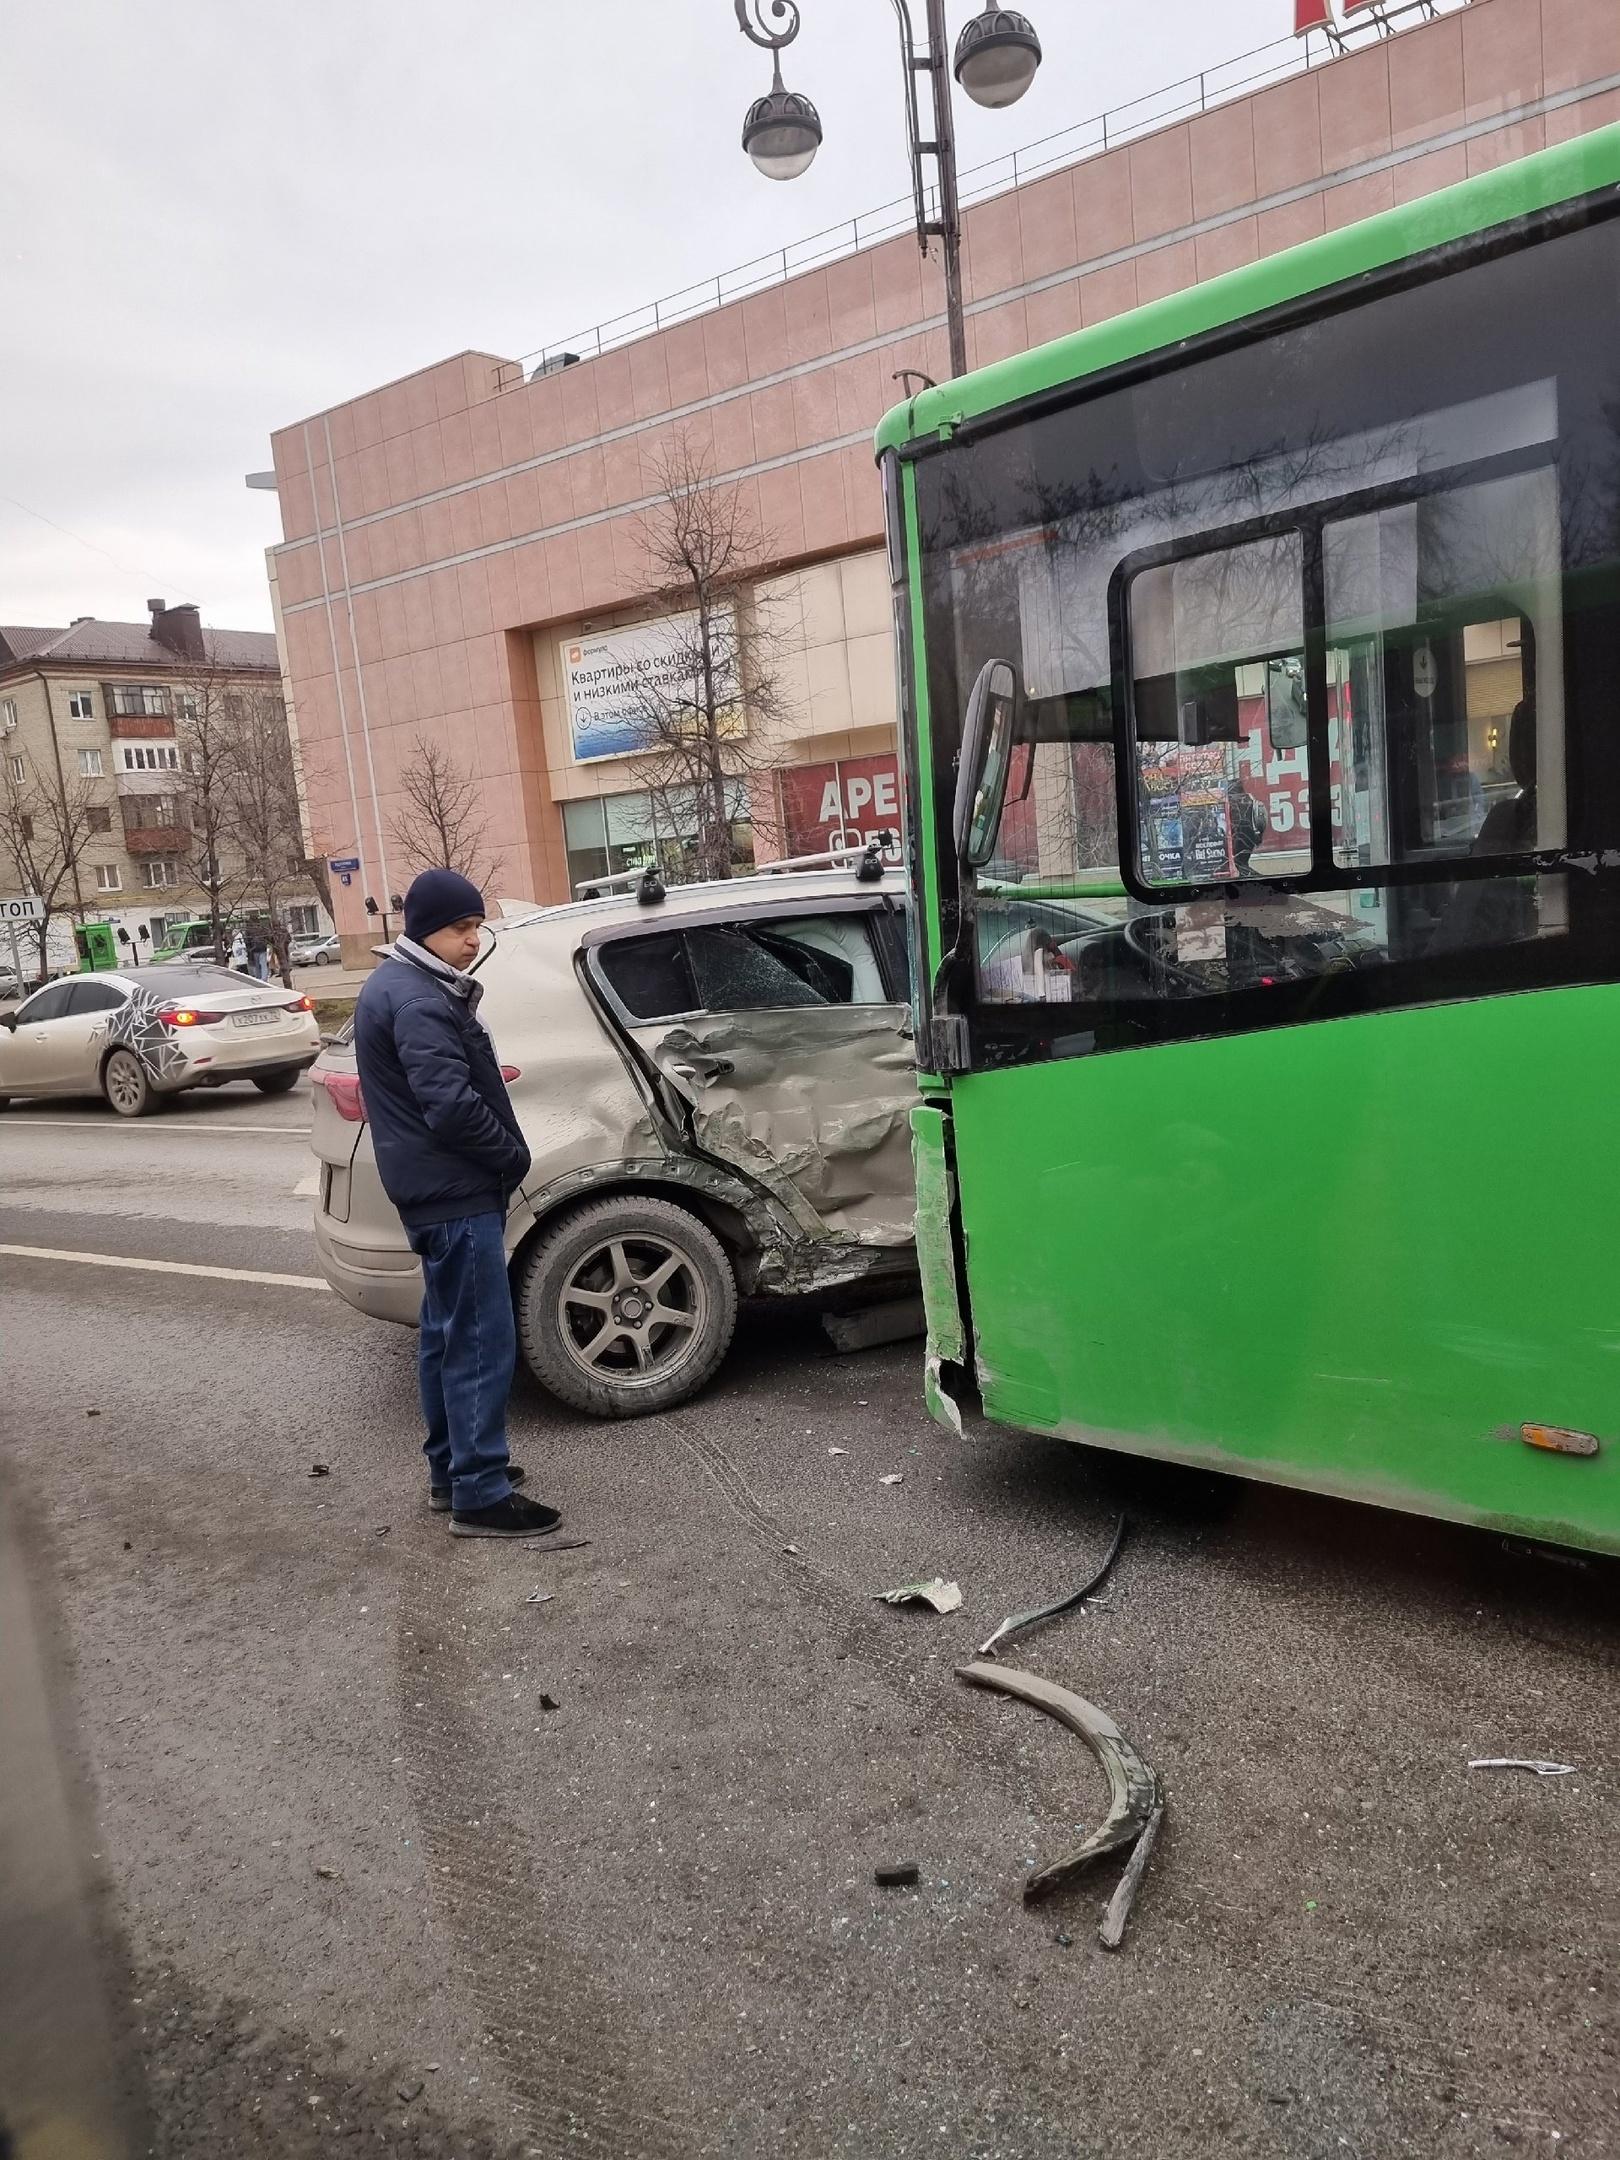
(343, 1092)
(187, 1016)
(511, 1072)
(303, 1004)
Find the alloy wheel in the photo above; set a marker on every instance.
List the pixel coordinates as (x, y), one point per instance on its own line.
(631, 1309)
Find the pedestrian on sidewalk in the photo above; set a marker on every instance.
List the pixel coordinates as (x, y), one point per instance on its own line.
(450, 1156)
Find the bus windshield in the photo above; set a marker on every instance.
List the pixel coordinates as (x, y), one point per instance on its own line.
(1288, 623)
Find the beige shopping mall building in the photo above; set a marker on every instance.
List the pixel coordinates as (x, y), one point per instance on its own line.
(457, 540)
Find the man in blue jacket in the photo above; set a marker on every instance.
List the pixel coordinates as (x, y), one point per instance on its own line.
(450, 1156)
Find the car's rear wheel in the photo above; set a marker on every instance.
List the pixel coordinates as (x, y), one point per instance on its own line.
(125, 1085)
(276, 1083)
(626, 1306)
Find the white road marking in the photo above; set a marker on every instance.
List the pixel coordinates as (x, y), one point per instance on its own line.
(62, 1124)
(166, 1267)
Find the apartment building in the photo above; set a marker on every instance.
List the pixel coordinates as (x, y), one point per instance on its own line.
(96, 715)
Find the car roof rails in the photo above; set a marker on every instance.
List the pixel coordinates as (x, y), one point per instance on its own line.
(869, 858)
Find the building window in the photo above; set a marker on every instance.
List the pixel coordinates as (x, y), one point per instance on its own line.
(100, 818)
(159, 871)
(81, 705)
(188, 707)
(27, 826)
(8, 714)
(303, 922)
(90, 764)
(108, 878)
(141, 700)
(606, 834)
(19, 771)
(150, 757)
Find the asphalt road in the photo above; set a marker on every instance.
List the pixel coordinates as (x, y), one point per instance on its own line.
(351, 1878)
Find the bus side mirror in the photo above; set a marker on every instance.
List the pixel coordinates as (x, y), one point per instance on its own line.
(986, 760)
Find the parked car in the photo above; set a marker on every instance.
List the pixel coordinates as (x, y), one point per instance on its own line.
(317, 951)
(141, 1034)
(716, 1090)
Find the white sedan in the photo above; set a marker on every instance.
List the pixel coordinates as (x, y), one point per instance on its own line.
(139, 1034)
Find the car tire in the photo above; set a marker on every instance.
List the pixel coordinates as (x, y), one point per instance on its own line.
(277, 1083)
(127, 1086)
(323, 959)
(581, 1268)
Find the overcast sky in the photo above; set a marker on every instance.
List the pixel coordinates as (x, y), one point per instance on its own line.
(217, 217)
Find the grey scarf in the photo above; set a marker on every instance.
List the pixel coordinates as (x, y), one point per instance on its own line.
(465, 987)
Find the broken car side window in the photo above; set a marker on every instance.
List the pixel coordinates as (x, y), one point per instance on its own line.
(795, 960)
(739, 970)
(651, 976)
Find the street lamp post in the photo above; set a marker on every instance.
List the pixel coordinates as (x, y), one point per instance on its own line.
(996, 58)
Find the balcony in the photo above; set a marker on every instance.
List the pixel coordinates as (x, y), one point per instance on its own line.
(157, 839)
(146, 726)
(154, 824)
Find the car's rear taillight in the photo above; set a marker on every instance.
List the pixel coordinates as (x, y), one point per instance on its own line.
(511, 1072)
(343, 1092)
(188, 1016)
(303, 1004)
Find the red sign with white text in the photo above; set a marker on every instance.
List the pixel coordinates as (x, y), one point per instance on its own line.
(844, 804)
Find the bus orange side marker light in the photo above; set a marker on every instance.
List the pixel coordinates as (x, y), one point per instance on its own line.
(1559, 1439)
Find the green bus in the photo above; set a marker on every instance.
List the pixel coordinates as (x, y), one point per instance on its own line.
(1260, 657)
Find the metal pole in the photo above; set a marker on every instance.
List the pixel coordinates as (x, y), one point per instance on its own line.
(950, 220)
(16, 957)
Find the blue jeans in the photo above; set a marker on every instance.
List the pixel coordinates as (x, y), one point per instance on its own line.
(466, 1354)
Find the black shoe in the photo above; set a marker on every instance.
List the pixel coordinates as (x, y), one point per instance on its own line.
(512, 1517)
(439, 1495)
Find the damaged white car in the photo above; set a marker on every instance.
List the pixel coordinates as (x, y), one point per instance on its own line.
(715, 1085)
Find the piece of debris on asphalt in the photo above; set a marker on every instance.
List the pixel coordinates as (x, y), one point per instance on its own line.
(382, 1530)
(408, 2093)
(1523, 1762)
(838, 1451)
(539, 1597)
(327, 1874)
(320, 1469)
(562, 1544)
(1133, 1788)
(900, 1876)
(1111, 1931)
(129, 1545)
(895, 1477)
(790, 1549)
(550, 1702)
(942, 1595)
(92, 1413)
(899, 1320)
(1015, 1623)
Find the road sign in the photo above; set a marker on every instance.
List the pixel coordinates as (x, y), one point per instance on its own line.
(30, 908)
(345, 877)
(341, 863)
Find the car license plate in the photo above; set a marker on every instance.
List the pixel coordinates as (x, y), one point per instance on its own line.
(256, 1019)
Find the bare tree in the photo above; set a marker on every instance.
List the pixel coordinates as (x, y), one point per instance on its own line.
(45, 827)
(711, 715)
(263, 817)
(440, 824)
(208, 725)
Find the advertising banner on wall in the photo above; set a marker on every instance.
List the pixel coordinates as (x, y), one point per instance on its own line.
(616, 679)
(845, 803)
